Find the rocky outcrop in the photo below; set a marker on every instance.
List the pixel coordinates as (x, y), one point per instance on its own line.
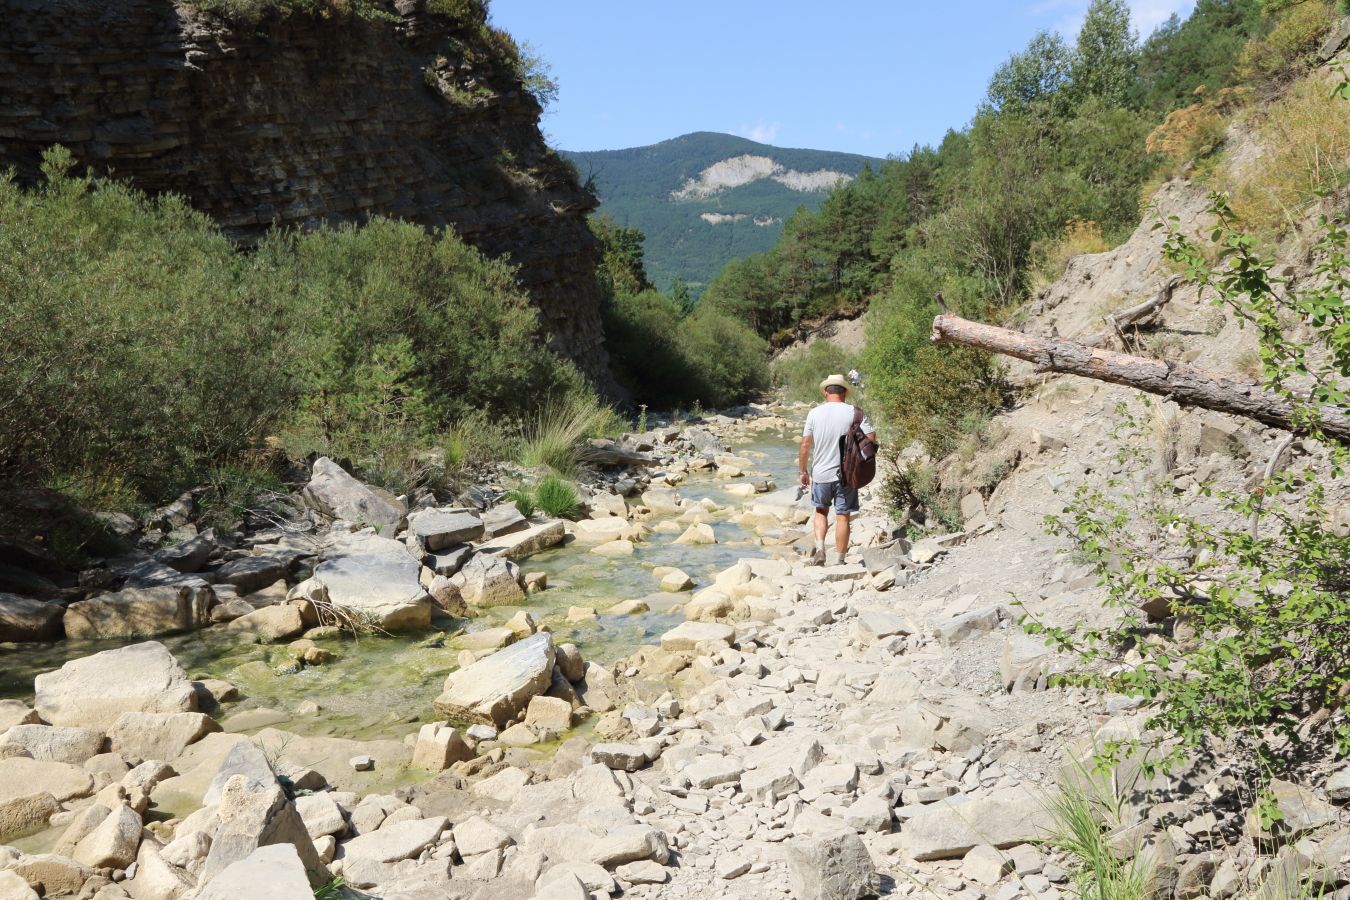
(299, 120)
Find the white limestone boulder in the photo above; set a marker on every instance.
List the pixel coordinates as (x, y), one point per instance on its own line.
(93, 691)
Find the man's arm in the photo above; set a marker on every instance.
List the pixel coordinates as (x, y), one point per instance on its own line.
(803, 459)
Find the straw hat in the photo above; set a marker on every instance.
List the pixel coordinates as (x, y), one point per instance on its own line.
(834, 381)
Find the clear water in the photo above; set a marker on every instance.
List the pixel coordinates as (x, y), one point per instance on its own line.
(383, 686)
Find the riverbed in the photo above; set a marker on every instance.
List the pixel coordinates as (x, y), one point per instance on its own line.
(382, 687)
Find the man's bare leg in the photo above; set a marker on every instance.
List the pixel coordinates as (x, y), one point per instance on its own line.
(821, 525)
(841, 529)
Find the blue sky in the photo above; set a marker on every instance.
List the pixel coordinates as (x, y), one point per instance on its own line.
(867, 76)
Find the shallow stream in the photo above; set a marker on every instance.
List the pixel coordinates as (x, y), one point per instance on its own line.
(379, 687)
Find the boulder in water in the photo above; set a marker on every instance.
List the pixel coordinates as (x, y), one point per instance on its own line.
(94, 690)
(373, 579)
(495, 689)
(141, 612)
(27, 619)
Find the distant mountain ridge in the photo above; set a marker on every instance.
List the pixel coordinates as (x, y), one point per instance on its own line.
(706, 198)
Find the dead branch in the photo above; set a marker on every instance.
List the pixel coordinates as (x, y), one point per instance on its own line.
(1175, 380)
(1141, 314)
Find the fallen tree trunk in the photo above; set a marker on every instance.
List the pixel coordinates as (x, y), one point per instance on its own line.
(1186, 384)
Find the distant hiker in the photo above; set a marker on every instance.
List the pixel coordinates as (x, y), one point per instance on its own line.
(855, 377)
(824, 440)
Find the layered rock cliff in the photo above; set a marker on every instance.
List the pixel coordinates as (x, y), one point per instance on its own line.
(278, 113)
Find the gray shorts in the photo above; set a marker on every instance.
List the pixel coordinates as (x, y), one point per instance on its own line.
(844, 498)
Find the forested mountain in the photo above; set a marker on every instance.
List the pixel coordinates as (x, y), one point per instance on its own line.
(706, 198)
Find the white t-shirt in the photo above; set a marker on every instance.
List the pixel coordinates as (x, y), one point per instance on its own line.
(825, 425)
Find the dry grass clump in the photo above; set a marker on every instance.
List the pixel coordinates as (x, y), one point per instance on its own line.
(1306, 139)
(1052, 256)
(1197, 130)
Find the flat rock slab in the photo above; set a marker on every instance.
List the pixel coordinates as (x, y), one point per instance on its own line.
(504, 518)
(831, 574)
(949, 830)
(873, 625)
(53, 743)
(149, 735)
(94, 690)
(391, 843)
(331, 757)
(441, 528)
(520, 544)
(688, 635)
(376, 580)
(21, 776)
(252, 573)
(495, 689)
(273, 872)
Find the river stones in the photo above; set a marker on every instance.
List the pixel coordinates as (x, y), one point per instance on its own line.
(26, 619)
(141, 611)
(94, 690)
(495, 689)
(373, 579)
(336, 494)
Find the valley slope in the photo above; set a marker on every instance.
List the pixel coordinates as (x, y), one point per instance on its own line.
(706, 198)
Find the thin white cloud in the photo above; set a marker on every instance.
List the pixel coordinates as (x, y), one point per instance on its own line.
(761, 132)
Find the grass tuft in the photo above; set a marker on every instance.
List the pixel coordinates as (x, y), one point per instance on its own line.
(557, 498)
(1085, 816)
(553, 439)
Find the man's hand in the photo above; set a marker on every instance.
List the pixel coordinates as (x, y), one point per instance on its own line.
(805, 480)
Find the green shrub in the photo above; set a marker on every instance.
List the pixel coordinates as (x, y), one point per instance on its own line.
(556, 497)
(799, 372)
(729, 361)
(140, 349)
(137, 345)
(668, 358)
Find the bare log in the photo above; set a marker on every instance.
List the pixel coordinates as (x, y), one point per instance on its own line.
(1186, 384)
(1135, 315)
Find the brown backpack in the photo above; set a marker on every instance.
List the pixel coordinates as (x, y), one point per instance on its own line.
(857, 454)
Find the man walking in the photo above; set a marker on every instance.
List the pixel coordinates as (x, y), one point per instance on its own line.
(819, 462)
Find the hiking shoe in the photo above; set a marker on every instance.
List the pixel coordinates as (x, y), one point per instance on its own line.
(817, 558)
(836, 558)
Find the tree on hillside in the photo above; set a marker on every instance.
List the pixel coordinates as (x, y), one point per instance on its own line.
(1037, 75)
(1180, 56)
(1106, 55)
(621, 269)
